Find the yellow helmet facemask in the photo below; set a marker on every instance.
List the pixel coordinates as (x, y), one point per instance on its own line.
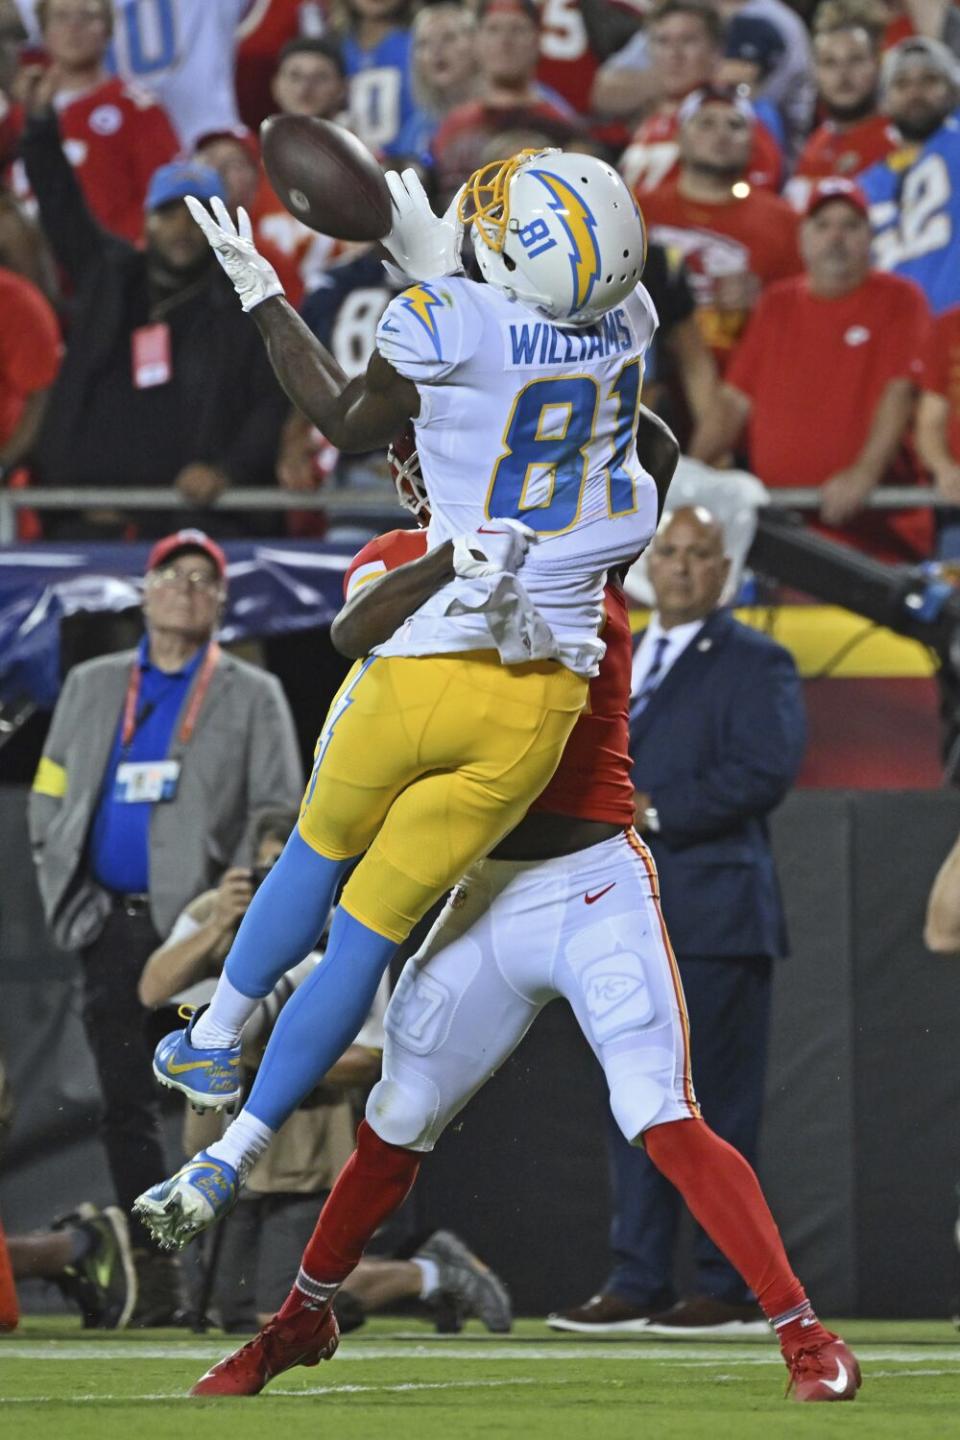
(485, 199)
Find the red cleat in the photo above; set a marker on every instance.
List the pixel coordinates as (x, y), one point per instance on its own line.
(824, 1372)
(303, 1339)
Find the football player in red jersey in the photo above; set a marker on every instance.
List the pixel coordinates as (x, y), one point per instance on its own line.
(577, 883)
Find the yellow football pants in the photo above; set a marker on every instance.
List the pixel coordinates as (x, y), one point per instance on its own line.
(425, 764)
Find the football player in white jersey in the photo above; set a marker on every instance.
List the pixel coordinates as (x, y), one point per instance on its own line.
(566, 905)
(525, 392)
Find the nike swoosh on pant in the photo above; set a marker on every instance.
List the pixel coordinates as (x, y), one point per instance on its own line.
(592, 899)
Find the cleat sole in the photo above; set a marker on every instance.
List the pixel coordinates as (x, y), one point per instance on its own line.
(167, 1223)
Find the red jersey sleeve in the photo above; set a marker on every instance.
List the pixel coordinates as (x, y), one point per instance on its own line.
(386, 552)
(592, 781)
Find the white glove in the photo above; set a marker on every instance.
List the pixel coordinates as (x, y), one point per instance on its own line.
(495, 548)
(423, 246)
(254, 278)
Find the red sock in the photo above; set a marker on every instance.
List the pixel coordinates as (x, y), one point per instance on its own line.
(723, 1195)
(371, 1186)
(9, 1308)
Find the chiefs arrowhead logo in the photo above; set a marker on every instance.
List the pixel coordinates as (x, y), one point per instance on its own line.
(606, 992)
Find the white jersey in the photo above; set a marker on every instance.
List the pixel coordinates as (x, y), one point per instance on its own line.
(522, 418)
(179, 51)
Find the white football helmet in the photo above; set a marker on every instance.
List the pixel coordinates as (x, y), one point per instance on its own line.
(559, 231)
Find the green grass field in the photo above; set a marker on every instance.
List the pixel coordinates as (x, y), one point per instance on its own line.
(399, 1381)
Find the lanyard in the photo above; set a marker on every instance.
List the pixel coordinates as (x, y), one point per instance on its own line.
(210, 662)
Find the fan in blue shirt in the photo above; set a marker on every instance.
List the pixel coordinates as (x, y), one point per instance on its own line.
(914, 193)
(378, 74)
(120, 835)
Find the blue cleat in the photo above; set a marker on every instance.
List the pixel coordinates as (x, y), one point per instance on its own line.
(210, 1079)
(178, 1209)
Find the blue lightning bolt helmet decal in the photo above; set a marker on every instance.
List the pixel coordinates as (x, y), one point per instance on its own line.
(421, 301)
(579, 222)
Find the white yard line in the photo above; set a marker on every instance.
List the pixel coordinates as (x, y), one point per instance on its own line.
(315, 1390)
(685, 1361)
(672, 1354)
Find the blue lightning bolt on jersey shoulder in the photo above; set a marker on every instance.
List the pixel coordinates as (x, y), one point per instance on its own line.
(579, 222)
(421, 301)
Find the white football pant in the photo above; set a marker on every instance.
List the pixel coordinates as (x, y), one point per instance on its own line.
(513, 936)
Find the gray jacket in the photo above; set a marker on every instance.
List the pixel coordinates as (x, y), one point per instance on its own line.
(241, 760)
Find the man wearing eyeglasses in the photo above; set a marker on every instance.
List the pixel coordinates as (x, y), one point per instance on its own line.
(156, 767)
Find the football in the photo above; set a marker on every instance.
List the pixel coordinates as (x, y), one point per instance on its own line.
(326, 177)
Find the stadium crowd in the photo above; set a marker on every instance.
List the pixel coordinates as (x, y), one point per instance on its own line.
(798, 169)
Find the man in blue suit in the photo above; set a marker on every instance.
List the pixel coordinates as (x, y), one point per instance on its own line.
(717, 736)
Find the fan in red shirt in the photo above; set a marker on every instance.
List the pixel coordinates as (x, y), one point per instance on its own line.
(825, 380)
(853, 135)
(686, 53)
(507, 48)
(938, 416)
(734, 240)
(29, 360)
(114, 135)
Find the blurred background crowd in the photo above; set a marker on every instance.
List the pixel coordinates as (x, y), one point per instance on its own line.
(798, 168)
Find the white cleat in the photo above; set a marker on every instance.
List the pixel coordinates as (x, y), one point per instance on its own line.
(177, 1210)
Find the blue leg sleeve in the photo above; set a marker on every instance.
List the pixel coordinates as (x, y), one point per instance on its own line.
(285, 919)
(320, 1019)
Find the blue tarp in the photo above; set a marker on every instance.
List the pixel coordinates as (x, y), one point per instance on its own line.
(274, 588)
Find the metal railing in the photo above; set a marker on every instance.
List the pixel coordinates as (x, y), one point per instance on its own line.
(345, 505)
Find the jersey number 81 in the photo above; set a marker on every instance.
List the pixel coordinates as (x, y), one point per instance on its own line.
(540, 476)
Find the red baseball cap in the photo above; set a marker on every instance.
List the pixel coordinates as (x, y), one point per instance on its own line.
(171, 545)
(835, 187)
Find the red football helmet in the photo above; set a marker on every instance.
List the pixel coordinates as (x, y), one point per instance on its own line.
(407, 476)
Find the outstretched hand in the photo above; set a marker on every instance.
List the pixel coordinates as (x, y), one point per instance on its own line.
(253, 277)
(424, 246)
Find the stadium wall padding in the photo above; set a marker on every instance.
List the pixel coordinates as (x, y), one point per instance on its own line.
(861, 1145)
